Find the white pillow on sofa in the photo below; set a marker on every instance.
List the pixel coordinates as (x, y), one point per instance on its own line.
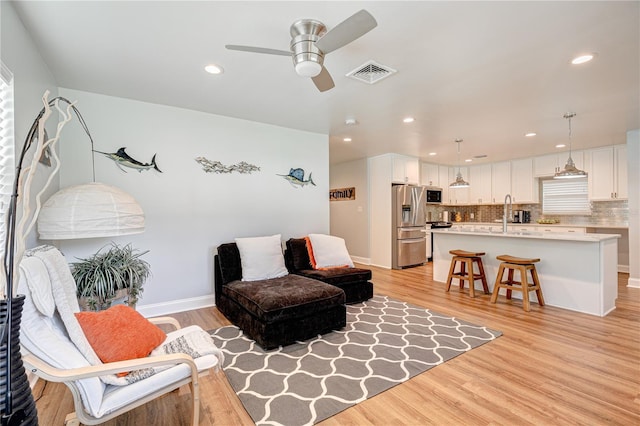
(329, 251)
(261, 258)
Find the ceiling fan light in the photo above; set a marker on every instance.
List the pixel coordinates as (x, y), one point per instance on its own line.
(308, 68)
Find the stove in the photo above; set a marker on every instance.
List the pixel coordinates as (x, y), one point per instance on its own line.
(435, 225)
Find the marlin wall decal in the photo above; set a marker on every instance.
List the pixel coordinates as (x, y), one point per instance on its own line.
(121, 158)
(296, 177)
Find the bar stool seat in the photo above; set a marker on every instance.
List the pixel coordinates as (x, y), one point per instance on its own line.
(512, 264)
(466, 273)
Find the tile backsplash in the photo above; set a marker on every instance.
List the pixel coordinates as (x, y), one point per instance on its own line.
(602, 213)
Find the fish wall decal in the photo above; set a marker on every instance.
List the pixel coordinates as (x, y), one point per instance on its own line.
(296, 178)
(121, 158)
(217, 167)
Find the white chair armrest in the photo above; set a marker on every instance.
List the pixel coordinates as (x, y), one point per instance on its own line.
(52, 374)
(165, 320)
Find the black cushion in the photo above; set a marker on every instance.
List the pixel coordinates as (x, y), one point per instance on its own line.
(297, 255)
(337, 276)
(283, 298)
(230, 266)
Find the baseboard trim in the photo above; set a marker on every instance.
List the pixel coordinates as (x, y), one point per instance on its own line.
(623, 268)
(362, 260)
(633, 283)
(166, 308)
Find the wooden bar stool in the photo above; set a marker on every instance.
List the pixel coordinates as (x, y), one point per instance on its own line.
(466, 260)
(511, 264)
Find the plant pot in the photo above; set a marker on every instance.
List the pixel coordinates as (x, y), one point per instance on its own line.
(121, 298)
(23, 407)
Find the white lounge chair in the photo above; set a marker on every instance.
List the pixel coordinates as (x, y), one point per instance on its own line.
(50, 353)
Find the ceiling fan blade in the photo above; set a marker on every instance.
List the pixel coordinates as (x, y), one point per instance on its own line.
(347, 31)
(258, 50)
(323, 81)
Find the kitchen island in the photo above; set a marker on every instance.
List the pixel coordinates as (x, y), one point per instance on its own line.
(577, 271)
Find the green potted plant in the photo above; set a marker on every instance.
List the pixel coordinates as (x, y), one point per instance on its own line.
(108, 275)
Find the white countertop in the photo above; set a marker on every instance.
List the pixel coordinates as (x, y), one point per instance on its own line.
(563, 225)
(566, 236)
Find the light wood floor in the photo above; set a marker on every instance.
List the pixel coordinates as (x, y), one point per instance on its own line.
(550, 367)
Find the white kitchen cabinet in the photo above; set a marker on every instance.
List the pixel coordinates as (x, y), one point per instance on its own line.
(500, 181)
(429, 174)
(523, 187)
(559, 229)
(480, 184)
(548, 165)
(443, 178)
(458, 196)
(622, 189)
(608, 173)
(405, 169)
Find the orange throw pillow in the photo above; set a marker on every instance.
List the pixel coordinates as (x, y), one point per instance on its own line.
(120, 333)
(310, 251)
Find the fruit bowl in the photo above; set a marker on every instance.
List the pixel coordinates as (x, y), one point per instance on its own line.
(547, 221)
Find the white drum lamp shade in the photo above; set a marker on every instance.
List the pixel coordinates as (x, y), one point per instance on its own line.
(89, 211)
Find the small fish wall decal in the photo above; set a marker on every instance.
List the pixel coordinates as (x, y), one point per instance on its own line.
(217, 167)
(296, 178)
(122, 159)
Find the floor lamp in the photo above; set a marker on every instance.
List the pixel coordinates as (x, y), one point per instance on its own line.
(124, 216)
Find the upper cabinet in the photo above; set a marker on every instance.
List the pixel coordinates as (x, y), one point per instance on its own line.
(608, 173)
(436, 175)
(548, 165)
(429, 175)
(443, 175)
(500, 181)
(523, 188)
(480, 184)
(405, 169)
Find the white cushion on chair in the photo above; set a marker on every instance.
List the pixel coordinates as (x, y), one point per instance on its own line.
(38, 281)
(261, 258)
(330, 251)
(119, 396)
(46, 338)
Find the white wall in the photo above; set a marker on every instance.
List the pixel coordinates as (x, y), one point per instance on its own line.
(190, 212)
(380, 177)
(633, 177)
(31, 79)
(350, 218)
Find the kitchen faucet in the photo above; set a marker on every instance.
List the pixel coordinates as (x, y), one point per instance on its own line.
(504, 214)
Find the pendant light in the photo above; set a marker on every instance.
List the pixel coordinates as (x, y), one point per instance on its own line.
(570, 171)
(459, 182)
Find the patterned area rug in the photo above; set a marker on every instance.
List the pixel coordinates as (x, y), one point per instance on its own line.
(385, 342)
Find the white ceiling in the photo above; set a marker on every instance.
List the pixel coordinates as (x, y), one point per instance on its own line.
(486, 72)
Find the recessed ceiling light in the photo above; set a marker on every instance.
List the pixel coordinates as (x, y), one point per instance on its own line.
(432, 153)
(408, 120)
(347, 139)
(582, 59)
(213, 69)
(468, 160)
(530, 134)
(560, 145)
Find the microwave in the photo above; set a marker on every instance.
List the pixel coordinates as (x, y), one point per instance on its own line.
(433, 195)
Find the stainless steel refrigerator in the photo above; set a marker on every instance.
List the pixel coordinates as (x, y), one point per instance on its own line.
(408, 226)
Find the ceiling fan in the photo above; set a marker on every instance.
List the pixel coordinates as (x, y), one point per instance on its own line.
(311, 42)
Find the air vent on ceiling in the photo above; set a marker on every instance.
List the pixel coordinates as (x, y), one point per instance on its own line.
(371, 72)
